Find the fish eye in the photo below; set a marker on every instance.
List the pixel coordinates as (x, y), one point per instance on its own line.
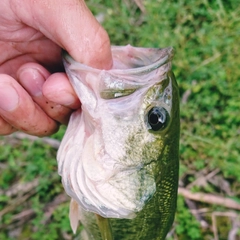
(157, 118)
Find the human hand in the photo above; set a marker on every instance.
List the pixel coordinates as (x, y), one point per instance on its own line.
(35, 95)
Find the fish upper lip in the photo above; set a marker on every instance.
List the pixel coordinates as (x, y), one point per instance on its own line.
(68, 60)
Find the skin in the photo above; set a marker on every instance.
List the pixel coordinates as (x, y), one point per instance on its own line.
(35, 95)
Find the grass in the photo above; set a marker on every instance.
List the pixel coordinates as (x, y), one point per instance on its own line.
(205, 35)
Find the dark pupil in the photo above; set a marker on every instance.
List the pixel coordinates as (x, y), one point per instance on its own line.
(156, 118)
(153, 118)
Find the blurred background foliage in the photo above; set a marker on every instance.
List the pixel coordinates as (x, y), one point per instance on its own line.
(205, 35)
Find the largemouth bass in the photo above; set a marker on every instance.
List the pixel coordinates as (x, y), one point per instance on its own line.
(119, 156)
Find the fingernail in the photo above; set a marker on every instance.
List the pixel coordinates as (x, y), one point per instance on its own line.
(8, 98)
(32, 80)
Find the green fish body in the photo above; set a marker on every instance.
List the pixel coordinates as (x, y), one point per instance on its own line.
(119, 156)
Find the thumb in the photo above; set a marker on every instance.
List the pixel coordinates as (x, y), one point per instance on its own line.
(71, 25)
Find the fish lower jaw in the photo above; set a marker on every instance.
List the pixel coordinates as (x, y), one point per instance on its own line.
(121, 196)
(106, 212)
(107, 208)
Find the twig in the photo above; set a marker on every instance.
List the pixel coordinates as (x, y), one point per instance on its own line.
(20, 188)
(214, 226)
(50, 207)
(24, 214)
(3, 166)
(27, 214)
(49, 141)
(221, 183)
(16, 202)
(197, 214)
(232, 215)
(209, 198)
(139, 3)
(207, 61)
(202, 179)
(186, 95)
(232, 235)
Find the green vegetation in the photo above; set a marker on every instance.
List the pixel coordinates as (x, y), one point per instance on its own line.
(205, 35)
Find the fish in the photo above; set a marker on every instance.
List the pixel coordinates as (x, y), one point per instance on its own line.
(119, 157)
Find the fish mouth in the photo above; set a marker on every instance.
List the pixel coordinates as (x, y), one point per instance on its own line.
(132, 60)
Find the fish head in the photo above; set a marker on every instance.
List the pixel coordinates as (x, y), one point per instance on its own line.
(114, 143)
